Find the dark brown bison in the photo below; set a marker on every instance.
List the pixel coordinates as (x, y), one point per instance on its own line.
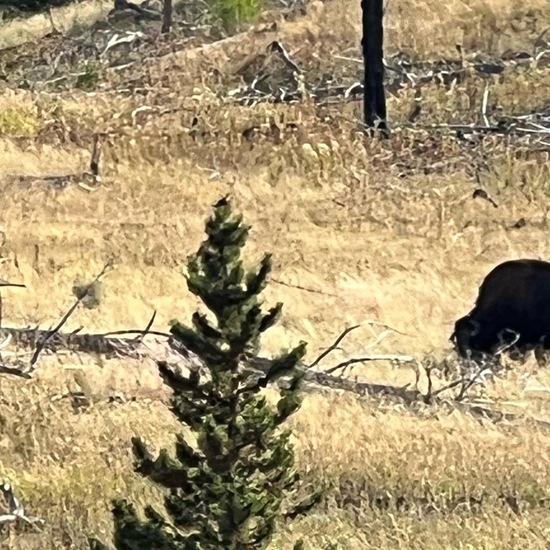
(513, 305)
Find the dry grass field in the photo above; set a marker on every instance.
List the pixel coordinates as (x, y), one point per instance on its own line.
(360, 231)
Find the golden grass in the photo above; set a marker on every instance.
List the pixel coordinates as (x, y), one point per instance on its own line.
(353, 240)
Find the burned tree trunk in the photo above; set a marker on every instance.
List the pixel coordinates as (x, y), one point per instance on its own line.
(374, 100)
(166, 16)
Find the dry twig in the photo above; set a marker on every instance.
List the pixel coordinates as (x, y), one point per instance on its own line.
(305, 288)
(25, 370)
(333, 346)
(145, 331)
(348, 362)
(367, 358)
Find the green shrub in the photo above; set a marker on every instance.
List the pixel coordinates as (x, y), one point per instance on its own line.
(231, 13)
(17, 121)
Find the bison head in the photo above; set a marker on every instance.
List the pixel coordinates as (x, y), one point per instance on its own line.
(465, 330)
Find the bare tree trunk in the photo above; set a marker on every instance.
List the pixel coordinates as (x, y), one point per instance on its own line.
(374, 99)
(166, 16)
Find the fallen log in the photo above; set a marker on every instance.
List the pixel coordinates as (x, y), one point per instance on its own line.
(161, 346)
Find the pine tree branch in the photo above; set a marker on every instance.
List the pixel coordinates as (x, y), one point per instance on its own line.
(163, 470)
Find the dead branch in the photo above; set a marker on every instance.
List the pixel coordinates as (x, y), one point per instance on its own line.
(379, 338)
(135, 331)
(62, 181)
(484, 105)
(333, 346)
(40, 345)
(306, 289)
(77, 342)
(116, 39)
(367, 358)
(410, 397)
(145, 331)
(3, 368)
(348, 362)
(16, 510)
(125, 6)
(54, 339)
(468, 382)
(465, 382)
(20, 370)
(6, 284)
(277, 46)
(100, 343)
(497, 416)
(403, 393)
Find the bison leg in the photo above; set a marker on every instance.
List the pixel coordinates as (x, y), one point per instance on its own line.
(541, 352)
(540, 356)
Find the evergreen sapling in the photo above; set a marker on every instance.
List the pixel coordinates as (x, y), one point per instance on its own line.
(227, 490)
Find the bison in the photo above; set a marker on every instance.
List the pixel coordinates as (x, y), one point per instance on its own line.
(513, 306)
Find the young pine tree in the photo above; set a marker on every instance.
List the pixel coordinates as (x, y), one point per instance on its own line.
(227, 491)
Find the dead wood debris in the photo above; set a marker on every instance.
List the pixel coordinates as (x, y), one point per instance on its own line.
(270, 83)
(25, 369)
(127, 35)
(164, 347)
(158, 346)
(142, 11)
(401, 72)
(15, 512)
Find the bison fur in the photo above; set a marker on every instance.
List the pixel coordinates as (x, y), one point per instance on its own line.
(512, 307)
